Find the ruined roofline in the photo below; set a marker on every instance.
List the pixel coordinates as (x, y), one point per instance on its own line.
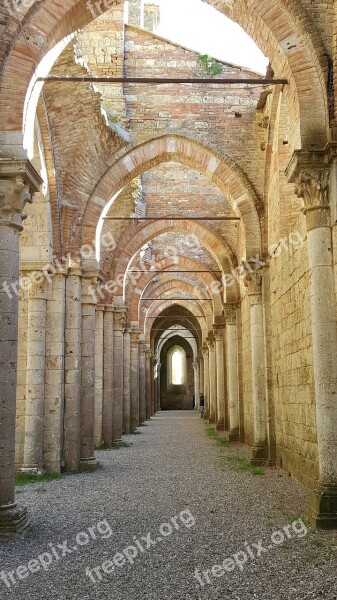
(195, 52)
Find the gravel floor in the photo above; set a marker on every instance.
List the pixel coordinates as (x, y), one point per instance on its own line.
(171, 470)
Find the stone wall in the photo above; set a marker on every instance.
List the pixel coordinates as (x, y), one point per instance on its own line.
(292, 361)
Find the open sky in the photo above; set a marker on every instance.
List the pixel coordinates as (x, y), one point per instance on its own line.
(198, 26)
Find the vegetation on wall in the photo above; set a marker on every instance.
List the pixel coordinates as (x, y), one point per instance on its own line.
(210, 65)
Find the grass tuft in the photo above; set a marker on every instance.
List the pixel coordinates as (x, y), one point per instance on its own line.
(25, 478)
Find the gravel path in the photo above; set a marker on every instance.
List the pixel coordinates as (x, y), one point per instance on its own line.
(171, 470)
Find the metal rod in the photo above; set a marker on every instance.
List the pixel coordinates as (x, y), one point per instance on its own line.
(190, 329)
(161, 81)
(170, 317)
(162, 271)
(189, 299)
(168, 218)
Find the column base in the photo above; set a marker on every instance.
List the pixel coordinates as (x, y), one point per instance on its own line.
(88, 465)
(13, 520)
(220, 426)
(234, 436)
(117, 443)
(32, 470)
(323, 513)
(259, 456)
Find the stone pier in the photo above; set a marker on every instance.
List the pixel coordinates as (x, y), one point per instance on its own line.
(18, 183)
(108, 322)
(259, 450)
(127, 383)
(118, 374)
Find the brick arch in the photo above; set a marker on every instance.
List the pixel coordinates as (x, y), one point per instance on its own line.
(147, 324)
(175, 286)
(219, 169)
(167, 335)
(268, 22)
(207, 280)
(214, 243)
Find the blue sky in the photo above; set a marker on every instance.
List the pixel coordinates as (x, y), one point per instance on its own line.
(202, 28)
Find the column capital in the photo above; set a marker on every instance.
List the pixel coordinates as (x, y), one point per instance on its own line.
(253, 283)
(230, 316)
(100, 307)
(19, 181)
(310, 173)
(148, 350)
(204, 350)
(218, 332)
(210, 342)
(90, 282)
(120, 317)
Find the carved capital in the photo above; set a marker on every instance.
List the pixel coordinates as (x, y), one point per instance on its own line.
(309, 171)
(253, 282)
(204, 351)
(18, 183)
(230, 316)
(119, 318)
(218, 334)
(313, 188)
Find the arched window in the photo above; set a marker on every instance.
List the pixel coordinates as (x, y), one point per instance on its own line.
(177, 368)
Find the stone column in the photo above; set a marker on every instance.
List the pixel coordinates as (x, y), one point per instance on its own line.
(201, 377)
(108, 321)
(127, 382)
(220, 378)
(232, 374)
(142, 384)
(118, 374)
(73, 334)
(35, 382)
(158, 384)
(259, 451)
(310, 171)
(90, 280)
(54, 374)
(134, 380)
(205, 354)
(196, 384)
(153, 388)
(99, 373)
(18, 182)
(148, 386)
(212, 381)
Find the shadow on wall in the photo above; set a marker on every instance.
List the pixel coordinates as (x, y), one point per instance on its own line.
(177, 375)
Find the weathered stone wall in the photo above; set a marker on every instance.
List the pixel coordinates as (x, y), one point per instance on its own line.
(292, 361)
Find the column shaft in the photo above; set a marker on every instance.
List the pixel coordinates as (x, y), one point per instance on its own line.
(99, 373)
(18, 182)
(220, 379)
(35, 390)
(142, 384)
(148, 386)
(118, 375)
(72, 409)
(134, 382)
(54, 376)
(212, 383)
(206, 381)
(127, 383)
(232, 376)
(88, 461)
(108, 376)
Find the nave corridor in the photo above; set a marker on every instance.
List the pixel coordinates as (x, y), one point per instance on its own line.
(170, 467)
